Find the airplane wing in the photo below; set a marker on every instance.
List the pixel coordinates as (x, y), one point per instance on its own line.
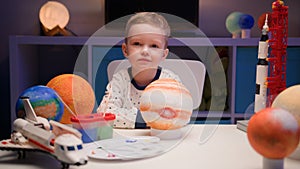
(10, 146)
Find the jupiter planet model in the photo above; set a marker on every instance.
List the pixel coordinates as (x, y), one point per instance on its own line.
(166, 104)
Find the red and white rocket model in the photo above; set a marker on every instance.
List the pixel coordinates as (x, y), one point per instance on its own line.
(262, 69)
(277, 50)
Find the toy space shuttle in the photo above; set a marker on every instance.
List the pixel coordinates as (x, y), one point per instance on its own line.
(33, 133)
(262, 69)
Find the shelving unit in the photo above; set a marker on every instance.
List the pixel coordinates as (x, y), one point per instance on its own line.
(24, 62)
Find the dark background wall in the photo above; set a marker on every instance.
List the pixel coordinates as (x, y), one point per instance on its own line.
(20, 17)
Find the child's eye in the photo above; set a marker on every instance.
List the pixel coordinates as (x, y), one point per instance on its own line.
(154, 46)
(136, 43)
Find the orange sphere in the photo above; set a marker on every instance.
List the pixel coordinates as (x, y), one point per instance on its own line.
(273, 132)
(262, 18)
(76, 92)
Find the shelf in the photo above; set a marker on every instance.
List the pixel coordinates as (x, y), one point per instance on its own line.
(24, 61)
(84, 40)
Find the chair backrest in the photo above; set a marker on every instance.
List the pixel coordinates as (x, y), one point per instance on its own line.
(191, 73)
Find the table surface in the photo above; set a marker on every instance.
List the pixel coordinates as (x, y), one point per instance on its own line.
(202, 146)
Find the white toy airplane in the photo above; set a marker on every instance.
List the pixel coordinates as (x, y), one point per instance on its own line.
(33, 134)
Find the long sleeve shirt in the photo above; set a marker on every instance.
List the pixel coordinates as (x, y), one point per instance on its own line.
(123, 95)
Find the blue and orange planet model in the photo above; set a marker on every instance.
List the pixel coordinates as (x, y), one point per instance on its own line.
(64, 96)
(45, 102)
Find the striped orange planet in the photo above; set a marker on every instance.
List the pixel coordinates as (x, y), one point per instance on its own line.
(166, 104)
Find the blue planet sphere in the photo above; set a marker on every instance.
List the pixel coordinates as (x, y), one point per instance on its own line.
(246, 21)
(44, 100)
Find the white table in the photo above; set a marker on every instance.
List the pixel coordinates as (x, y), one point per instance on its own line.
(220, 147)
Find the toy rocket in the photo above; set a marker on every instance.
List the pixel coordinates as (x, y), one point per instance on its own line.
(262, 70)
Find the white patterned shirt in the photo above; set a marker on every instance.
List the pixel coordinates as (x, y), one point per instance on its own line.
(122, 97)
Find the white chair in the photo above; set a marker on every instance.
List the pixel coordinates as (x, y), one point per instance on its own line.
(191, 73)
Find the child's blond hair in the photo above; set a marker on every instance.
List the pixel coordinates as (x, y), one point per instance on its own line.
(150, 18)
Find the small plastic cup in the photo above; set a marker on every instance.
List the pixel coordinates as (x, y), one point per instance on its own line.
(105, 130)
(95, 126)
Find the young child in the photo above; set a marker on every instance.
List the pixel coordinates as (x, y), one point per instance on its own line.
(145, 47)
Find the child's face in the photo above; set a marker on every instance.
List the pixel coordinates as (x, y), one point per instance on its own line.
(145, 50)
